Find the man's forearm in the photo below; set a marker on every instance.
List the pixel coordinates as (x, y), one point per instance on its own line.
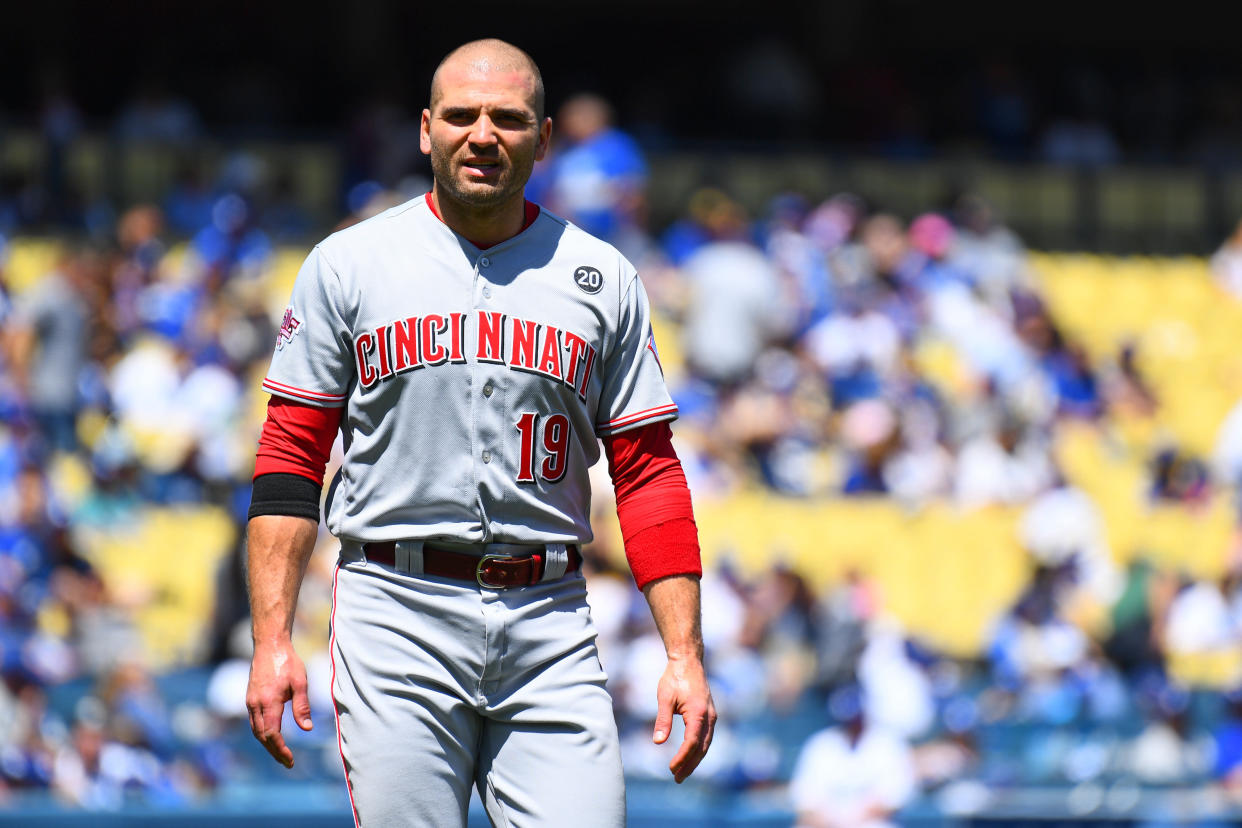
(674, 603)
(683, 688)
(278, 549)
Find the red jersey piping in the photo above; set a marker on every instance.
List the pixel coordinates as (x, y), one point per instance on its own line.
(530, 213)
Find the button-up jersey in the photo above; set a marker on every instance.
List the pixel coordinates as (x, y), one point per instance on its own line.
(475, 382)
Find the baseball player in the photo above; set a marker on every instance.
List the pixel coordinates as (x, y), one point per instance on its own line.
(474, 351)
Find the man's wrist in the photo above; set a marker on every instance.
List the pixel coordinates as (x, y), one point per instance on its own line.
(275, 640)
(691, 653)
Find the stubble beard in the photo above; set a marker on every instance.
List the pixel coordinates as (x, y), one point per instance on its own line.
(512, 181)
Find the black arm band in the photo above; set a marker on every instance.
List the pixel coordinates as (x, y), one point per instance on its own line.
(280, 493)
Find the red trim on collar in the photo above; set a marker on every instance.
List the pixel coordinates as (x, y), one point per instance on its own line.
(531, 212)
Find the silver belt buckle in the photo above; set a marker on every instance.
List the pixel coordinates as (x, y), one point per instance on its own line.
(484, 561)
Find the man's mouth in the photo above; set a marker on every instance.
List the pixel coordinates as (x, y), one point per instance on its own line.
(481, 167)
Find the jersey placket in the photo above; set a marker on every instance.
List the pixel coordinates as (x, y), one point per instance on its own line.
(487, 394)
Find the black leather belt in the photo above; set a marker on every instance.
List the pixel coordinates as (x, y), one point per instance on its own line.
(496, 571)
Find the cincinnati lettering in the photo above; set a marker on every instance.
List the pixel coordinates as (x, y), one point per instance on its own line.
(434, 339)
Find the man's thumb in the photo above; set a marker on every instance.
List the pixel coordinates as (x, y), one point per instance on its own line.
(663, 723)
(302, 710)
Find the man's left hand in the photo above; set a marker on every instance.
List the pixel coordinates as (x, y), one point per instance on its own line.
(683, 689)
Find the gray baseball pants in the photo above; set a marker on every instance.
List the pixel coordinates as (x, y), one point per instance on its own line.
(441, 685)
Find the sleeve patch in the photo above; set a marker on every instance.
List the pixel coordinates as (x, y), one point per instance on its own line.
(651, 346)
(289, 327)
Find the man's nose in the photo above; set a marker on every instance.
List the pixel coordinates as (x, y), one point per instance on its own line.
(484, 131)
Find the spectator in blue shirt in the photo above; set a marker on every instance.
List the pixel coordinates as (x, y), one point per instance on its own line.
(598, 177)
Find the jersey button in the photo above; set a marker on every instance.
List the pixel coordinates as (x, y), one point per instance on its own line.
(487, 456)
(487, 293)
(487, 390)
(485, 262)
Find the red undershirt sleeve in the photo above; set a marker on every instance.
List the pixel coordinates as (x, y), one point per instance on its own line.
(296, 439)
(653, 504)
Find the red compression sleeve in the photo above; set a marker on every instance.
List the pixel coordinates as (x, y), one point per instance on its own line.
(296, 439)
(653, 504)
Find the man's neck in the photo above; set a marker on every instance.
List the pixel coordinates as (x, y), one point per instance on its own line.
(482, 228)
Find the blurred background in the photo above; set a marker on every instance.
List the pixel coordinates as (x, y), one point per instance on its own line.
(949, 300)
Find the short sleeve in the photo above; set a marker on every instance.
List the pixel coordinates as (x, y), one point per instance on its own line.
(312, 362)
(634, 392)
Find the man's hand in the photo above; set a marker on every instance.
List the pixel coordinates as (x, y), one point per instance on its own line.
(277, 675)
(683, 689)
(278, 548)
(674, 602)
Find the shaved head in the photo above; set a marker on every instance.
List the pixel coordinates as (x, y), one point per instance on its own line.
(487, 56)
(483, 131)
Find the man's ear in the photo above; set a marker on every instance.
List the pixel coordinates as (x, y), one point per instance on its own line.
(424, 133)
(545, 135)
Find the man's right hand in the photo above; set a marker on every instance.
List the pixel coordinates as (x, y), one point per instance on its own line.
(277, 675)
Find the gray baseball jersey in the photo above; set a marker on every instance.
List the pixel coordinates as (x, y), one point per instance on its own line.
(475, 382)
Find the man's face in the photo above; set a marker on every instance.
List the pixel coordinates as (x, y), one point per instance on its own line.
(483, 134)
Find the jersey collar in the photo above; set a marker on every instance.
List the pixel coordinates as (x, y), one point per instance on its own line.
(531, 213)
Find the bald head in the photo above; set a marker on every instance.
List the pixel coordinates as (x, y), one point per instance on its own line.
(490, 55)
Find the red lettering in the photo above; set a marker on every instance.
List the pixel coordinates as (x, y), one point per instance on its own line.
(433, 352)
(458, 326)
(556, 443)
(526, 426)
(577, 350)
(367, 375)
(405, 344)
(381, 339)
(415, 342)
(525, 337)
(586, 373)
(550, 358)
(491, 336)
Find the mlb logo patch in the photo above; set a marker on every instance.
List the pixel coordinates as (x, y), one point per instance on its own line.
(651, 346)
(289, 326)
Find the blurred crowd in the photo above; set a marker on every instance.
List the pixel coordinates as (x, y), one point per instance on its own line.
(825, 349)
(1135, 104)
(1062, 111)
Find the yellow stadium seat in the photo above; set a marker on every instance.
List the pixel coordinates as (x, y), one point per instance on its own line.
(944, 574)
(163, 568)
(29, 261)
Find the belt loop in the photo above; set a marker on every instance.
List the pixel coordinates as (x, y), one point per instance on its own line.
(353, 552)
(408, 556)
(555, 561)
